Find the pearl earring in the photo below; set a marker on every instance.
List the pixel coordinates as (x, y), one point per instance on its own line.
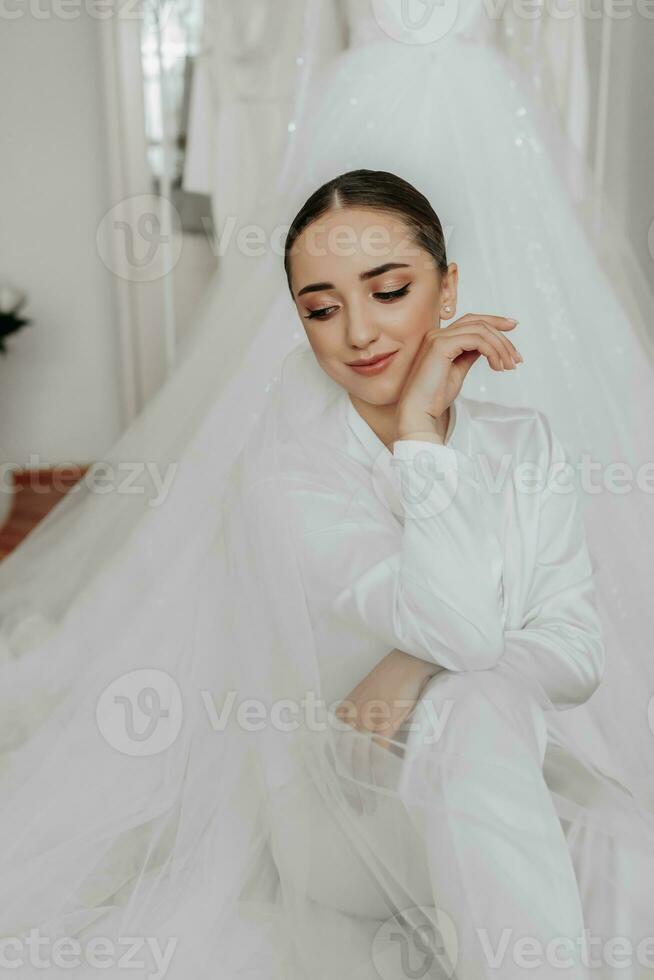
(448, 309)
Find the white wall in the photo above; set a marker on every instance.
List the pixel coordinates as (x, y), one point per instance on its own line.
(630, 132)
(640, 192)
(59, 384)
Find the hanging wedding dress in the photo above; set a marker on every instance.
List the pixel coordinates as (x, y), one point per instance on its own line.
(245, 81)
(133, 805)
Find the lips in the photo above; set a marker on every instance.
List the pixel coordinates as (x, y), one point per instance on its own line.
(371, 360)
(373, 365)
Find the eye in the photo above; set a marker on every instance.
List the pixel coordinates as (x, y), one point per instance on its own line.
(393, 294)
(320, 314)
(386, 297)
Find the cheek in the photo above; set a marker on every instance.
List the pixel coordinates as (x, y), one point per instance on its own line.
(411, 334)
(326, 344)
(409, 319)
(421, 318)
(328, 354)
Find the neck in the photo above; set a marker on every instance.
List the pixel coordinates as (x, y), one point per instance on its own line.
(382, 419)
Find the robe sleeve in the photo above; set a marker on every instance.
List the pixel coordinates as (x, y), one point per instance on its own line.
(437, 596)
(559, 648)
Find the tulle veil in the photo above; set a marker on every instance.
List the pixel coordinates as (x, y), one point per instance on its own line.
(168, 602)
(168, 828)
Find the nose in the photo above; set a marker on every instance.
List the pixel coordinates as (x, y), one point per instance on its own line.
(360, 328)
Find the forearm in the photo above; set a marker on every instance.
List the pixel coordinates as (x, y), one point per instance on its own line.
(558, 645)
(562, 656)
(417, 670)
(445, 599)
(387, 694)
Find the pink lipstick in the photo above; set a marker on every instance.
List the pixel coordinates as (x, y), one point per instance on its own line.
(373, 365)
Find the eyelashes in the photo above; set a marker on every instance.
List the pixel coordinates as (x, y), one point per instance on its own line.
(319, 314)
(394, 293)
(385, 297)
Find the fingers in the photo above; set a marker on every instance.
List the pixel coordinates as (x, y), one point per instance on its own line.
(513, 351)
(501, 322)
(496, 324)
(508, 356)
(510, 353)
(483, 340)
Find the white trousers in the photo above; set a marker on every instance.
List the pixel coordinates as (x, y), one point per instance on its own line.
(498, 861)
(471, 832)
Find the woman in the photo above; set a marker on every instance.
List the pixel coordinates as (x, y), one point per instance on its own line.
(421, 591)
(312, 731)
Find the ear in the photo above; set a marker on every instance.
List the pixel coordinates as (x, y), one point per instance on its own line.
(449, 288)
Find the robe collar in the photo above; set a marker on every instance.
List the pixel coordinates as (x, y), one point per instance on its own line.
(458, 434)
(365, 443)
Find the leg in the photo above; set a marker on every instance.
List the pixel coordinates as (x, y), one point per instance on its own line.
(610, 837)
(497, 855)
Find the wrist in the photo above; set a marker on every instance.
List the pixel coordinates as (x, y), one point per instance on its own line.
(422, 670)
(422, 426)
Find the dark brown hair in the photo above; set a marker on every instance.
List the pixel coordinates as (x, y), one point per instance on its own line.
(377, 190)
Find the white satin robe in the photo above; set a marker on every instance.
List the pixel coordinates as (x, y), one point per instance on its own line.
(491, 579)
(487, 575)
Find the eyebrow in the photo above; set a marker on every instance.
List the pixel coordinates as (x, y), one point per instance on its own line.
(315, 287)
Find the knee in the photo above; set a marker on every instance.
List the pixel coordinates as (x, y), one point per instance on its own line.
(484, 703)
(471, 687)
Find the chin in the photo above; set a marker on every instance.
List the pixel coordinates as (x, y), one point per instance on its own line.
(378, 391)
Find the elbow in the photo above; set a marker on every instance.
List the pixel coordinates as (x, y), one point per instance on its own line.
(594, 669)
(590, 672)
(473, 649)
(489, 655)
(455, 639)
(485, 646)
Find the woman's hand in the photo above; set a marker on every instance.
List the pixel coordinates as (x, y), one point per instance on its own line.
(385, 698)
(440, 366)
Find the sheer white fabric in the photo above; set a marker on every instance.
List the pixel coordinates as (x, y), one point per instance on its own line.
(98, 841)
(552, 53)
(263, 848)
(505, 820)
(416, 24)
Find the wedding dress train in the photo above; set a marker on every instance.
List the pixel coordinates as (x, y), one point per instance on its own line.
(129, 806)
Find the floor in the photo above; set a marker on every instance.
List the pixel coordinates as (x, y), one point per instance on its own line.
(35, 494)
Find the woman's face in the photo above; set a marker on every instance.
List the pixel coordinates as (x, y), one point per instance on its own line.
(363, 289)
